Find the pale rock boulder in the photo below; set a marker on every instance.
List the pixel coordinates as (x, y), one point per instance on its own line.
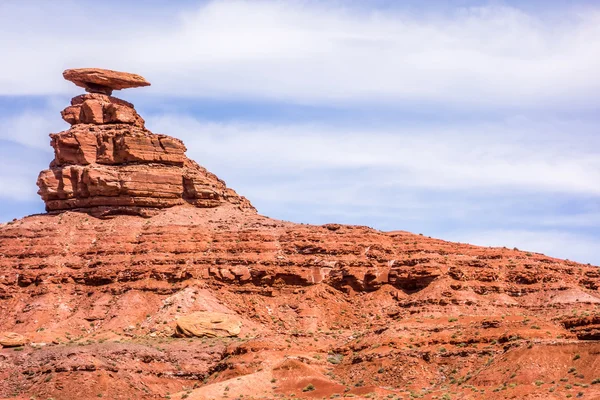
(11, 339)
(208, 324)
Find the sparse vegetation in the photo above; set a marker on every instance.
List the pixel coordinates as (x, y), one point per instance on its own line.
(335, 358)
(309, 388)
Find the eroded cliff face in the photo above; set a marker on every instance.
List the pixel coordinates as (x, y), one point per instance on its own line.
(202, 298)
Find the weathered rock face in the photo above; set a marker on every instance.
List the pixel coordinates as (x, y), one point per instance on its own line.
(98, 109)
(107, 163)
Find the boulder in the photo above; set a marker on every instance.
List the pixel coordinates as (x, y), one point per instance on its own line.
(11, 339)
(208, 324)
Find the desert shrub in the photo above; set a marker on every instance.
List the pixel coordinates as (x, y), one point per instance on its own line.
(335, 358)
(309, 388)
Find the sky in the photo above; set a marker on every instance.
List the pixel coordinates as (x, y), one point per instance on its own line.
(470, 121)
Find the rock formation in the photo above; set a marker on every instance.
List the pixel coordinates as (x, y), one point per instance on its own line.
(104, 81)
(107, 163)
(206, 299)
(208, 324)
(11, 339)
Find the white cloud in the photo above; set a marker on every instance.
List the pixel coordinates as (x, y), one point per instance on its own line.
(313, 52)
(25, 148)
(522, 156)
(17, 187)
(30, 127)
(18, 174)
(560, 244)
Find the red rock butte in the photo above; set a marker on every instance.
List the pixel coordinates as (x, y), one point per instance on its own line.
(108, 163)
(149, 278)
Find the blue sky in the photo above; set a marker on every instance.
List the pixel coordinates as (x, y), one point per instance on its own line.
(473, 121)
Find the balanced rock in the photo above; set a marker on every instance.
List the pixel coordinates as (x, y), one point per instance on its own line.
(107, 163)
(104, 81)
(208, 324)
(11, 339)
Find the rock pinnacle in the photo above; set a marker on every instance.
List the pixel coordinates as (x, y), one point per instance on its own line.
(107, 163)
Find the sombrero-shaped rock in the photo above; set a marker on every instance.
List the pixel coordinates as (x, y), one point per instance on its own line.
(97, 80)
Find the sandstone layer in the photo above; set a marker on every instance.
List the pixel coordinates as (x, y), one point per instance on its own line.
(206, 299)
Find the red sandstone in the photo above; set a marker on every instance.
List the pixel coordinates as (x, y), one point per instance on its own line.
(97, 80)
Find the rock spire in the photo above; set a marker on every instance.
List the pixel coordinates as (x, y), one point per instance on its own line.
(108, 163)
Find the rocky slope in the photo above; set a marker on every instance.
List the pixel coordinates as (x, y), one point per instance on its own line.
(140, 284)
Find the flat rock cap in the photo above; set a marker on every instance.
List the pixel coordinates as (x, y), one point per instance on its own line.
(91, 78)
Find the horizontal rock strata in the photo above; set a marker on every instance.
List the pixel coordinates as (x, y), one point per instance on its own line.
(107, 163)
(95, 108)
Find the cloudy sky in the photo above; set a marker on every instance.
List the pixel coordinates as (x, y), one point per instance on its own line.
(473, 121)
